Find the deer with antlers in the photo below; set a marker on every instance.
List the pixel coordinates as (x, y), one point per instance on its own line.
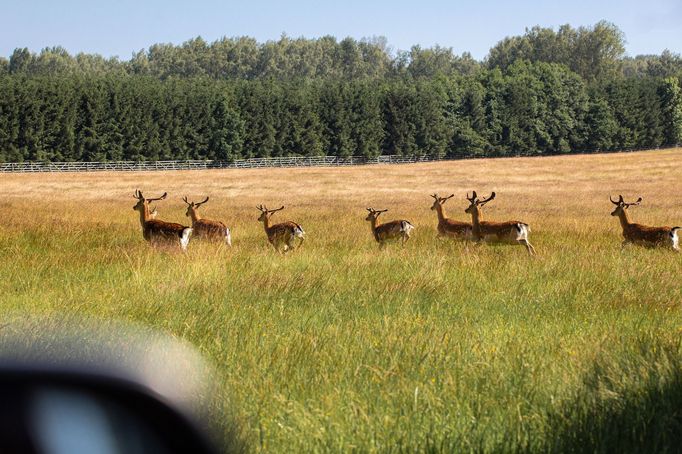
(156, 231)
(282, 236)
(449, 227)
(394, 230)
(206, 228)
(643, 234)
(511, 232)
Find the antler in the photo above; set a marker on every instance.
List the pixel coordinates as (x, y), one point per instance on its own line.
(138, 195)
(616, 202)
(165, 194)
(262, 208)
(471, 199)
(435, 196)
(448, 197)
(201, 203)
(484, 201)
(639, 200)
(275, 210)
(184, 199)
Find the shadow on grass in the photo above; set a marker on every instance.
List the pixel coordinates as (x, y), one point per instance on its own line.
(632, 405)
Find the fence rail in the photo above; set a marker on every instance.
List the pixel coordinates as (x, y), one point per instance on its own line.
(292, 161)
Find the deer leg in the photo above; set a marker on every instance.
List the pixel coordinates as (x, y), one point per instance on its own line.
(277, 247)
(529, 247)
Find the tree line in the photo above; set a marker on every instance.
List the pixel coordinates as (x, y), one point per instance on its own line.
(545, 92)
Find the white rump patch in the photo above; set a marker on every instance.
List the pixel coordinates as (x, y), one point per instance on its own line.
(184, 241)
(407, 227)
(228, 236)
(298, 232)
(675, 239)
(522, 231)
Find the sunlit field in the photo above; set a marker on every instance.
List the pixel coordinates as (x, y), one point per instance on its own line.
(340, 346)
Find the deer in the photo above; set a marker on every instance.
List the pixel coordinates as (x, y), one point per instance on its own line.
(393, 230)
(156, 231)
(510, 232)
(449, 227)
(643, 235)
(282, 236)
(206, 228)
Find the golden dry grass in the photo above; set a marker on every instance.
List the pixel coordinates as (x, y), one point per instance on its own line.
(560, 193)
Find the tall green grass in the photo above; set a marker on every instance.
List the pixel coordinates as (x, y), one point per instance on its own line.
(435, 346)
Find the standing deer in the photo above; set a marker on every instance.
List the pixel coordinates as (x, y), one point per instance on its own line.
(394, 230)
(511, 232)
(643, 234)
(449, 227)
(156, 231)
(206, 228)
(282, 236)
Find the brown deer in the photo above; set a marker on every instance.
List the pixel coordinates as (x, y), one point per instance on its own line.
(510, 232)
(449, 227)
(156, 231)
(394, 230)
(206, 228)
(643, 235)
(282, 236)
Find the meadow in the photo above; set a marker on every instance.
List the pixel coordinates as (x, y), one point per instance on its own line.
(339, 346)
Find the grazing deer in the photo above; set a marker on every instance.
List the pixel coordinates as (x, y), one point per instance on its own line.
(394, 230)
(282, 236)
(156, 231)
(512, 232)
(643, 234)
(206, 228)
(449, 227)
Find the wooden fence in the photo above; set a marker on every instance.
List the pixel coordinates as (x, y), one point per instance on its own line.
(292, 161)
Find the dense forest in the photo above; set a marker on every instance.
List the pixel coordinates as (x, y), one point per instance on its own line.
(547, 91)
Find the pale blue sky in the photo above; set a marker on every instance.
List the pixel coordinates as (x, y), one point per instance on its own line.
(119, 28)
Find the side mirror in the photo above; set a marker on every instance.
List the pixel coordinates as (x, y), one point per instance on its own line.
(57, 400)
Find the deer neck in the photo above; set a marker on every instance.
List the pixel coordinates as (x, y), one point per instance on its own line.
(476, 219)
(624, 219)
(144, 214)
(194, 216)
(441, 213)
(373, 224)
(266, 225)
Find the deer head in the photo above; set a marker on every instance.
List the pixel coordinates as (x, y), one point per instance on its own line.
(621, 205)
(439, 201)
(475, 203)
(265, 213)
(192, 206)
(142, 202)
(374, 214)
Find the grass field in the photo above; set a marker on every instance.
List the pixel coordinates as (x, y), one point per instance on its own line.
(434, 346)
